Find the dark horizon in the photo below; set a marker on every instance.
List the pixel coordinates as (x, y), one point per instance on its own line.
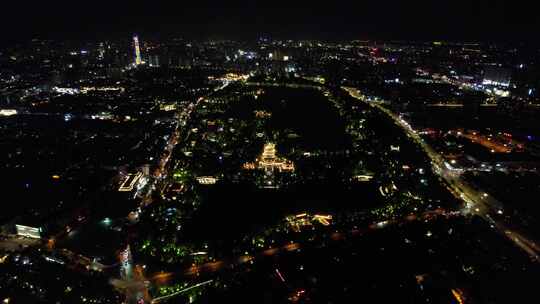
(389, 20)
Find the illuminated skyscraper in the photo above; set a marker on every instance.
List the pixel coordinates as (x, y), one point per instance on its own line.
(137, 50)
(497, 76)
(153, 60)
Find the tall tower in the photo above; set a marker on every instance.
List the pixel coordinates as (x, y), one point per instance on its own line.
(137, 50)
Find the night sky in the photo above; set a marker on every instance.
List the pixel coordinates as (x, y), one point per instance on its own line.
(360, 19)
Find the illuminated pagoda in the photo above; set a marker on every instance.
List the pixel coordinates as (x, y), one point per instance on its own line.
(269, 161)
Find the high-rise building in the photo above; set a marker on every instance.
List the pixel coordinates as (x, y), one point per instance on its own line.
(153, 60)
(101, 51)
(137, 50)
(497, 76)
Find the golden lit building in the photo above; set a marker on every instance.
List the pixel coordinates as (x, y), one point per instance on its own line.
(269, 161)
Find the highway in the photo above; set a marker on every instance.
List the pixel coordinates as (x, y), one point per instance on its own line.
(476, 201)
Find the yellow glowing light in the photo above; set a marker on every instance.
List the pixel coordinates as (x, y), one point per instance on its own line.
(8, 112)
(3, 259)
(458, 296)
(269, 161)
(130, 182)
(138, 59)
(323, 219)
(50, 243)
(207, 180)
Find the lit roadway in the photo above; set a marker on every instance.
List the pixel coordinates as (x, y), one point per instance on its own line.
(476, 201)
(175, 138)
(157, 300)
(209, 269)
(137, 285)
